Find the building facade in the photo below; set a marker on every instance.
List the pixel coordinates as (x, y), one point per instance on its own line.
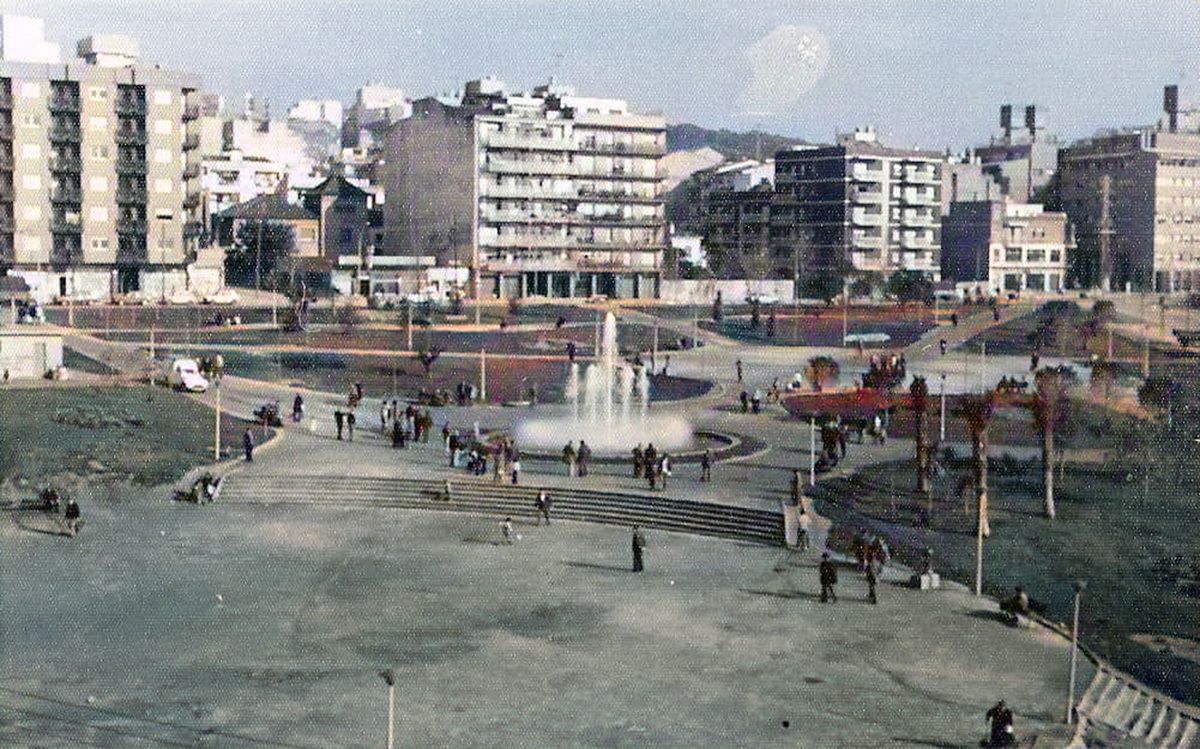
(999, 246)
(1134, 198)
(857, 206)
(737, 228)
(230, 177)
(99, 174)
(540, 194)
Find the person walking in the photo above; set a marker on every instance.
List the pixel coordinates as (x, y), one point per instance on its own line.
(507, 532)
(338, 419)
(297, 409)
(350, 419)
(639, 548)
(543, 507)
(664, 470)
(828, 576)
(706, 466)
(637, 461)
(1000, 725)
(871, 582)
(585, 456)
(71, 517)
(942, 344)
(397, 434)
(516, 471)
(248, 445)
(568, 457)
(738, 365)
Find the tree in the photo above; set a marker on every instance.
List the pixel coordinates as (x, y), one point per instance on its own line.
(977, 412)
(1051, 411)
(348, 317)
(861, 287)
(260, 248)
(822, 371)
(909, 286)
(919, 391)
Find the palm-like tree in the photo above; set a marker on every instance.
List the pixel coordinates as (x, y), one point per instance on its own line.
(1051, 409)
(977, 412)
(919, 391)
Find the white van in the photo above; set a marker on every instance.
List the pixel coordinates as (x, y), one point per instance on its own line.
(185, 375)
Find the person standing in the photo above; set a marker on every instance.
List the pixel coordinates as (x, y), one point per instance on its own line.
(637, 461)
(71, 516)
(297, 409)
(585, 455)
(543, 507)
(828, 576)
(248, 445)
(339, 418)
(664, 470)
(384, 417)
(639, 548)
(350, 419)
(739, 370)
(516, 471)
(871, 582)
(568, 457)
(706, 466)
(1000, 725)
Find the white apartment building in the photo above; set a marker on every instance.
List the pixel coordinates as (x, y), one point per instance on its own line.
(99, 173)
(317, 110)
(1002, 247)
(231, 177)
(274, 141)
(540, 194)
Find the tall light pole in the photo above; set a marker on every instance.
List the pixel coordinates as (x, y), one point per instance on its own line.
(217, 421)
(483, 375)
(812, 450)
(389, 676)
(942, 410)
(1080, 586)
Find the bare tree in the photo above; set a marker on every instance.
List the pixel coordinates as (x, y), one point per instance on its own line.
(1051, 410)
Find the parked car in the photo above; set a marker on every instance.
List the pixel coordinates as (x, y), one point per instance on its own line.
(224, 296)
(185, 375)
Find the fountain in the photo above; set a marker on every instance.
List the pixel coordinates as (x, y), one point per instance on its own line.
(609, 407)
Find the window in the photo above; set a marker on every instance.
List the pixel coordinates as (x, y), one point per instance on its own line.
(162, 186)
(162, 96)
(162, 127)
(31, 151)
(99, 243)
(31, 120)
(1035, 256)
(31, 212)
(1035, 281)
(1056, 256)
(162, 156)
(97, 93)
(99, 152)
(98, 184)
(1012, 254)
(98, 213)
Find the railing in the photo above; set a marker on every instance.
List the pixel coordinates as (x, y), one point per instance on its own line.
(128, 105)
(131, 166)
(65, 195)
(862, 174)
(65, 164)
(631, 149)
(927, 197)
(64, 134)
(191, 142)
(859, 216)
(868, 196)
(530, 166)
(191, 171)
(873, 243)
(131, 194)
(191, 112)
(191, 200)
(922, 176)
(193, 229)
(63, 104)
(568, 242)
(528, 142)
(63, 225)
(131, 226)
(131, 137)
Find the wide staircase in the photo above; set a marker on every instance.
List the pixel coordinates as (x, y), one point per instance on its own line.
(483, 497)
(1117, 712)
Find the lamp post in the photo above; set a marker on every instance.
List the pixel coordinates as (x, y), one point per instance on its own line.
(1080, 586)
(389, 676)
(812, 450)
(483, 375)
(217, 421)
(942, 410)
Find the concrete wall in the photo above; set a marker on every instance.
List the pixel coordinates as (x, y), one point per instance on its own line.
(732, 291)
(29, 355)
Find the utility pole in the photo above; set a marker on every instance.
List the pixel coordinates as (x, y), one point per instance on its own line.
(483, 375)
(979, 541)
(982, 365)
(389, 678)
(845, 310)
(812, 450)
(1105, 233)
(942, 411)
(1080, 586)
(217, 421)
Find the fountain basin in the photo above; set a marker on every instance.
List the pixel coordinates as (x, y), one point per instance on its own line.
(550, 434)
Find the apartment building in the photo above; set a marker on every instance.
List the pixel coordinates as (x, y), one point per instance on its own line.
(1134, 198)
(540, 194)
(1000, 246)
(99, 173)
(857, 206)
(229, 178)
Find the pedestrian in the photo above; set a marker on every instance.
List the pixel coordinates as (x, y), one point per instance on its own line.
(446, 436)
(828, 575)
(516, 471)
(248, 445)
(797, 486)
(996, 314)
(297, 409)
(568, 457)
(338, 418)
(384, 417)
(358, 390)
(942, 344)
(543, 506)
(71, 517)
(350, 419)
(585, 456)
(860, 549)
(871, 581)
(1033, 361)
(637, 461)
(639, 548)
(841, 438)
(745, 401)
(664, 470)
(706, 466)
(397, 434)
(666, 364)
(1000, 725)
(739, 370)
(507, 532)
(954, 319)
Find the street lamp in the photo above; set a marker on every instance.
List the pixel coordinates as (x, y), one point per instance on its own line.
(1080, 586)
(812, 450)
(389, 676)
(942, 412)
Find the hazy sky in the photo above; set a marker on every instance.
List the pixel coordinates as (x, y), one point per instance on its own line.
(927, 72)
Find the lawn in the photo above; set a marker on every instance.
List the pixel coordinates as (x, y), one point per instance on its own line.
(142, 434)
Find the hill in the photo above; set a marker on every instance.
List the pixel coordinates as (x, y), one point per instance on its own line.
(732, 145)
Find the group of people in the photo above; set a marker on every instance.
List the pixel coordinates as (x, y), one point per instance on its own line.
(577, 460)
(751, 402)
(51, 503)
(871, 550)
(885, 372)
(652, 465)
(404, 425)
(828, 577)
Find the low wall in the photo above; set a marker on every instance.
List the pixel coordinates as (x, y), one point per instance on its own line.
(733, 291)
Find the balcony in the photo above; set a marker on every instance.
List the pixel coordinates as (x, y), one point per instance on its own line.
(191, 142)
(860, 173)
(862, 241)
(192, 200)
(63, 103)
(64, 134)
(528, 142)
(921, 197)
(191, 112)
(66, 194)
(130, 166)
(129, 137)
(867, 196)
(131, 195)
(927, 219)
(863, 217)
(569, 241)
(131, 226)
(129, 105)
(917, 243)
(922, 176)
(191, 171)
(65, 225)
(70, 164)
(529, 166)
(192, 229)
(631, 149)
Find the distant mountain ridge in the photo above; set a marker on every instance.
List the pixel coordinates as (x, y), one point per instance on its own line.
(733, 145)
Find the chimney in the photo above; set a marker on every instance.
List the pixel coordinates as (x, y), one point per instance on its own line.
(1006, 121)
(1031, 121)
(1171, 106)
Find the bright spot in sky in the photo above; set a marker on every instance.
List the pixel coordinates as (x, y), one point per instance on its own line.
(784, 65)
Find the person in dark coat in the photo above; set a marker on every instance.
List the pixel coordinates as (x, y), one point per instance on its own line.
(297, 408)
(871, 582)
(71, 516)
(543, 506)
(397, 434)
(638, 462)
(1000, 724)
(639, 547)
(828, 575)
(350, 419)
(706, 466)
(584, 457)
(248, 445)
(338, 418)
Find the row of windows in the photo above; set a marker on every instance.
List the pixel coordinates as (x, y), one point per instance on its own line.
(1031, 255)
(33, 90)
(162, 186)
